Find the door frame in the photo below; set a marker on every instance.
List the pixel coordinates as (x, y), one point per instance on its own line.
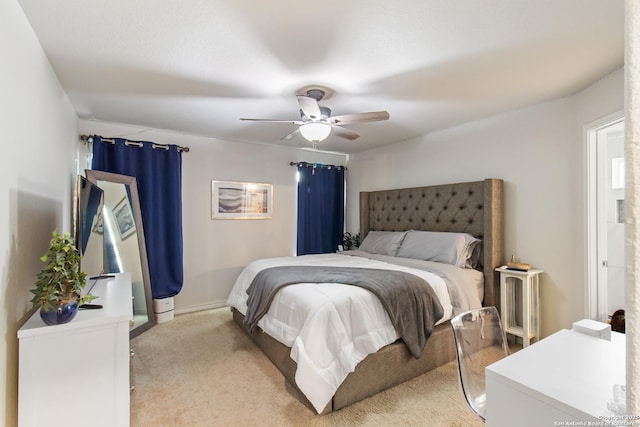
(594, 297)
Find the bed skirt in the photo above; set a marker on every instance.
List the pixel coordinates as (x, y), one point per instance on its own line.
(390, 366)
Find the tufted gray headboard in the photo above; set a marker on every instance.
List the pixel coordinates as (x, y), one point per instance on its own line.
(470, 207)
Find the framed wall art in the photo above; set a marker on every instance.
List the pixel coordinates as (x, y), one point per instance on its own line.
(124, 218)
(241, 200)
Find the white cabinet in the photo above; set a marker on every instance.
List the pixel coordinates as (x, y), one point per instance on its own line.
(565, 379)
(77, 374)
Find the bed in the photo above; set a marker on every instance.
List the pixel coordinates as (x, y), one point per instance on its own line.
(471, 209)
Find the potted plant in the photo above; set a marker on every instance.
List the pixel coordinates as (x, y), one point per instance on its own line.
(350, 241)
(59, 285)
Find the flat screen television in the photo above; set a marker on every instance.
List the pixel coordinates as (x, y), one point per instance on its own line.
(88, 226)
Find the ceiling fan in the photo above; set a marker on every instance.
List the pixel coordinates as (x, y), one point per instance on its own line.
(316, 122)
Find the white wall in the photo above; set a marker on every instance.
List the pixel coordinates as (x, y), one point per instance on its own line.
(540, 154)
(37, 171)
(215, 251)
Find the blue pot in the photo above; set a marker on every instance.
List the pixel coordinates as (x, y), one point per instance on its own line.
(65, 313)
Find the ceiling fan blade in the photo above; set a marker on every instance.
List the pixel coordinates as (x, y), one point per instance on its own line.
(291, 135)
(344, 133)
(309, 107)
(294, 122)
(346, 119)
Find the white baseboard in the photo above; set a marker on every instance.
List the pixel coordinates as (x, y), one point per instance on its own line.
(201, 307)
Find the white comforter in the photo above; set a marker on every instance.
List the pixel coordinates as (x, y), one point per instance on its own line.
(329, 327)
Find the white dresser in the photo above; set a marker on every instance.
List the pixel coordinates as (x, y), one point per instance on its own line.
(77, 374)
(565, 379)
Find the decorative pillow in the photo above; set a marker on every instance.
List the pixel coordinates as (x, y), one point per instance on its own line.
(383, 242)
(459, 249)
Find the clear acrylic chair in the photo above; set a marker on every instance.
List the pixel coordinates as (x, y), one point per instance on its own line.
(480, 341)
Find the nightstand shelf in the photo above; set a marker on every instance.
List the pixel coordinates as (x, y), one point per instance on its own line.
(529, 282)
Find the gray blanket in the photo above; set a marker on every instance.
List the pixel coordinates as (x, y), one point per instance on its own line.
(410, 302)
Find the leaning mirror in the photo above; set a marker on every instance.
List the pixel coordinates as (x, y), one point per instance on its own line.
(124, 244)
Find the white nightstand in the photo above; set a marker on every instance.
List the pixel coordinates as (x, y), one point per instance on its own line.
(530, 284)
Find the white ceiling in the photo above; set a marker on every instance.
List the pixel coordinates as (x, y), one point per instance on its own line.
(197, 66)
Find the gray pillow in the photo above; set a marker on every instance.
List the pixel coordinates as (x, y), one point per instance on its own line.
(459, 249)
(382, 242)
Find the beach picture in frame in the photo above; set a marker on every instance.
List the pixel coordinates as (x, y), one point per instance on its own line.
(124, 218)
(241, 200)
(98, 225)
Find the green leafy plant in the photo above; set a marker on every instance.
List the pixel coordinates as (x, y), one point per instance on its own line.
(350, 241)
(61, 281)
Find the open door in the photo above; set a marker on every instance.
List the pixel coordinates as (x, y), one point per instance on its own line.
(605, 195)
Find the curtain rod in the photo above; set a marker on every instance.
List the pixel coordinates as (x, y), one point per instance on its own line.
(89, 139)
(316, 165)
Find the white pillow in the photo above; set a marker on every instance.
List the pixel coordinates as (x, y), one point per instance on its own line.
(382, 242)
(459, 249)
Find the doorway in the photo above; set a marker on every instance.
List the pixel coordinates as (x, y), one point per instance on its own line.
(605, 234)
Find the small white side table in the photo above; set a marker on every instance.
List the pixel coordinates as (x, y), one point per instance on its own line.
(530, 283)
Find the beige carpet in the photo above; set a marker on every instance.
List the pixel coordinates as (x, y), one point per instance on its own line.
(200, 369)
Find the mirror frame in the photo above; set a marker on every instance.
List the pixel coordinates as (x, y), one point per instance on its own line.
(94, 176)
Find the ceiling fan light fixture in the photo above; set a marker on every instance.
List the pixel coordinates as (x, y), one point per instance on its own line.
(315, 132)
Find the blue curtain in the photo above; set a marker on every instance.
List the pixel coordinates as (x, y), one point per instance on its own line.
(320, 208)
(158, 173)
